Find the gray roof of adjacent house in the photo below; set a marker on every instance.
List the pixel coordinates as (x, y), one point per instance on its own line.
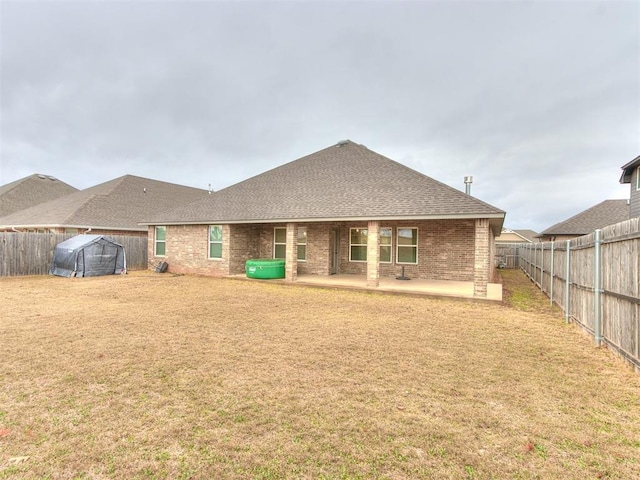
(346, 181)
(598, 216)
(30, 191)
(118, 204)
(627, 170)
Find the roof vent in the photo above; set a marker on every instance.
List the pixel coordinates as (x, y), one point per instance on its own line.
(468, 180)
(343, 143)
(52, 178)
(42, 176)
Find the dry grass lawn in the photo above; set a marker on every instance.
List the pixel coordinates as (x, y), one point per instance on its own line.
(154, 376)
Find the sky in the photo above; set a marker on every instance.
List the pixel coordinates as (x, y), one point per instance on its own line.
(539, 101)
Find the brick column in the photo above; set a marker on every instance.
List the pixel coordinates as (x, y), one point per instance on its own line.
(481, 267)
(373, 254)
(291, 257)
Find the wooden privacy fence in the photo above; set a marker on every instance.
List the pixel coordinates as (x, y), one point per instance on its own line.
(32, 253)
(595, 279)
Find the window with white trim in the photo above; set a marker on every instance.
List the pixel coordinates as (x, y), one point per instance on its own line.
(407, 245)
(386, 241)
(279, 242)
(358, 244)
(160, 239)
(302, 244)
(215, 241)
(637, 178)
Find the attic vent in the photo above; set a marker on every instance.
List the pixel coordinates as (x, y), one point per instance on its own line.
(342, 143)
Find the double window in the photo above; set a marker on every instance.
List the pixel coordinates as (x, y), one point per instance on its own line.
(280, 243)
(160, 241)
(406, 245)
(215, 241)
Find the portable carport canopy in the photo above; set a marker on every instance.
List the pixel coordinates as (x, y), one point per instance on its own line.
(88, 256)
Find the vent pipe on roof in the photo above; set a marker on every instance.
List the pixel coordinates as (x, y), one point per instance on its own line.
(467, 184)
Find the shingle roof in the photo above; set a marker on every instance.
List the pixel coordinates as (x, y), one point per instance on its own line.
(30, 191)
(598, 216)
(118, 204)
(346, 181)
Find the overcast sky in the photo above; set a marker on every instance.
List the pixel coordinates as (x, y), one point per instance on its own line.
(538, 100)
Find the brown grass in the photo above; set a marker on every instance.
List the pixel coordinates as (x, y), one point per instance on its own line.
(156, 376)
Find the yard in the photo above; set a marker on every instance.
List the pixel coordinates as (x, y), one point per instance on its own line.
(153, 376)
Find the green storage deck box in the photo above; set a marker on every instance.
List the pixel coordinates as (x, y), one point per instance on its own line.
(265, 268)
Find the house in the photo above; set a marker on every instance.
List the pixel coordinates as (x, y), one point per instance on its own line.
(631, 175)
(29, 191)
(586, 222)
(111, 208)
(508, 236)
(344, 209)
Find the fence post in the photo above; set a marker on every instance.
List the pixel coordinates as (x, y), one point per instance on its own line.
(542, 267)
(597, 290)
(551, 275)
(567, 294)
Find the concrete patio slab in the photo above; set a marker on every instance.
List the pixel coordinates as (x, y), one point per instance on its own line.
(432, 288)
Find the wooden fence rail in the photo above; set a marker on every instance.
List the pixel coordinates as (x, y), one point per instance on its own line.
(595, 279)
(32, 253)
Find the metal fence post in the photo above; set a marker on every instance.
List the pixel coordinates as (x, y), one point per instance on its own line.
(597, 290)
(542, 267)
(567, 293)
(551, 275)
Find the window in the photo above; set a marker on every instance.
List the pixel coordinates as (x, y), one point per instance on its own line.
(638, 178)
(302, 243)
(358, 244)
(279, 243)
(407, 245)
(386, 235)
(73, 231)
(215, 241)
(161, 241)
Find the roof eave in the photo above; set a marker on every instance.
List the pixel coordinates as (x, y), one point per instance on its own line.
(224, 221)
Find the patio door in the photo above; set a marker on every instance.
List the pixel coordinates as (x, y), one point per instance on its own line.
(334, 245)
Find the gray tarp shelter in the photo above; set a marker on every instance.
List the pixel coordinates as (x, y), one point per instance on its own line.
(88, 256)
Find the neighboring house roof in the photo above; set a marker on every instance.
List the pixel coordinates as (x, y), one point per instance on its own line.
(516, 236)
(346, 181)
(119, 204)
(598, 216)
(30, 191)
(627, 170)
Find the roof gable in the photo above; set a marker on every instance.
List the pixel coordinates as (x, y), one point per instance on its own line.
(598, 216)
(627, 170)
(344, 181)
(118, 204)
(29, 191)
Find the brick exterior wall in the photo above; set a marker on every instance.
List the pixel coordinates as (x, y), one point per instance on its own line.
(446, 249)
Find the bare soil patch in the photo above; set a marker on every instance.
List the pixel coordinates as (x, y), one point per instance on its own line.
(158, 376)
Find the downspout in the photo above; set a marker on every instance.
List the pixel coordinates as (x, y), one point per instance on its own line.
(87, 231)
